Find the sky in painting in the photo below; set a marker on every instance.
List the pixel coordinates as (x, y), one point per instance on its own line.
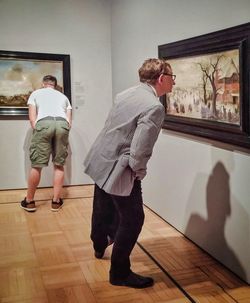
(23, 76)
(189, 73)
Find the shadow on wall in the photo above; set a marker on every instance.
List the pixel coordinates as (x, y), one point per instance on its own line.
(210, 233)
(47, 173)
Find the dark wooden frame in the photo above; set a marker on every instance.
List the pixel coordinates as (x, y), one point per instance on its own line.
(237, 37)
(65, 59)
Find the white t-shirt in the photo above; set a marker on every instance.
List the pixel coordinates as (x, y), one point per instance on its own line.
(49, 102)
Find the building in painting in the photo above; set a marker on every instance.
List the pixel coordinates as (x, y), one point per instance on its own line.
(228, 82)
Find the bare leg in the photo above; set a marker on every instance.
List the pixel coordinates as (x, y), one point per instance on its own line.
(58, 182)
(33, 181)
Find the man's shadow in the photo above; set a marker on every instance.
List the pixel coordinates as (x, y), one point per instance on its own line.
(209, 233)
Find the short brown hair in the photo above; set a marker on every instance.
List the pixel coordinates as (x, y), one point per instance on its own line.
(49, 78)
(152, 68)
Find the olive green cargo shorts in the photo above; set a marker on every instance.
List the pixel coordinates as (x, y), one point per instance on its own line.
(50, 137)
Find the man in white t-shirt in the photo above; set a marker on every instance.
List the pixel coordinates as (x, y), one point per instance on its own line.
(50, 118)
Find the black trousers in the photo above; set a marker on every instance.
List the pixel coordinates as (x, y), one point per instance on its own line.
(120, 218)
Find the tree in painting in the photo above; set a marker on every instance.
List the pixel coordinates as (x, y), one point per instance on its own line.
(210, 72)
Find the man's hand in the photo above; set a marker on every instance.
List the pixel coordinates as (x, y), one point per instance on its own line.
(32, 115)
(140, 174)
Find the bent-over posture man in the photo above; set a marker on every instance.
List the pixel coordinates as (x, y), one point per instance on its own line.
(117, 163)
(50, 118)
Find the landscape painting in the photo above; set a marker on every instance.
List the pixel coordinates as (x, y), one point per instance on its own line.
(211, 95)
(19, 78)
(206, 87)
(22, 72)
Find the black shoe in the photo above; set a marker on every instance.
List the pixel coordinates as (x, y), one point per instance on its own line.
(55, 206)
(133, 280)
(28, 206)
(100, 254)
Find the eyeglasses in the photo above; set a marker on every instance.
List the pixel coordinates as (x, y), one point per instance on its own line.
(173, 76)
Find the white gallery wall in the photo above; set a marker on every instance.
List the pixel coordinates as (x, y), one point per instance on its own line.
(200, 187)
(80, 28)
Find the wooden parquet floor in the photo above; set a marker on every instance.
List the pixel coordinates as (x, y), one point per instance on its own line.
(47, 257)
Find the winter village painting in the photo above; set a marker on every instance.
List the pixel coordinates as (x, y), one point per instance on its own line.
(206, 87)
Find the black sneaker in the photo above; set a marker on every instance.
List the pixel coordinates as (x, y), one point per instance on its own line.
(28, 206)
(133, 280)
(100, 254)
(55, 206)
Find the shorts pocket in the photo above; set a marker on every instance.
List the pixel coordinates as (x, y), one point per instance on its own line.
(66, 127)
(39, 128)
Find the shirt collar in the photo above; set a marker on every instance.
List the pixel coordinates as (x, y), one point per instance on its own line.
(153, 89)
(150, 87)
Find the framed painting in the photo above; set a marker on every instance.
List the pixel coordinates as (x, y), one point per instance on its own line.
(21, 73)
(210, 97)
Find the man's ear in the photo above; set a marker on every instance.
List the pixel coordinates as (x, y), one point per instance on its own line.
(160, 79)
